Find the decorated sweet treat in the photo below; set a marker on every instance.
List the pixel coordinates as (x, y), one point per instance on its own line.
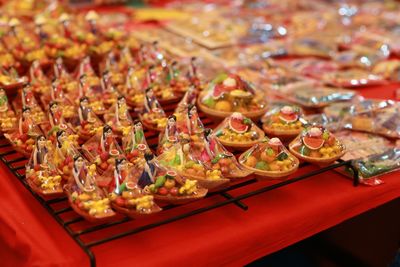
(170, 137)
(38, 80)
(87, 124)
(190, 124)
(180, 158)
(23, 138)
(133, 87)
(41, 173)
(8, 119)
(161, 80)
(102, 149)
(166, 185)
(188, 99)
(118, 117)
(175, 79)
(109, 93)
(153, 116)
(134, 144)
(85, 67)
(192, 74)
(57, 122)
(317, 145)
(29, 100)
(125, 194)
(228, 93)
(269, 159)
(283, 122)
(85, 89)
(213, 154)
(238, 131)
(64, 152)
(85, 197)
(57, 94)
(9, 79)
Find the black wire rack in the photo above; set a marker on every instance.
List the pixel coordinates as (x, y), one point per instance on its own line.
(78, 229)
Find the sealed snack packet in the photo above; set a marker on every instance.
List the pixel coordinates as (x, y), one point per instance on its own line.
(390, 70)
(352, 78)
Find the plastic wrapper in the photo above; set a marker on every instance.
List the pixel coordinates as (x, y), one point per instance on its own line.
(238, 132)
(152, 116)
(376, 117)
(354, 59)
(86, 123)
(84, 196)
(8, 119)
(228, 93)
(209, 150)
(369, 42)
(118, 117)
(311, 67)
(317, 145)
(311, 46)
(180, 158)
(284, 122)
(41, 173)
(124, 193)
(134, 144)
(352, 78)
(317, 96)
(372, 156)
(24, 136)
(269, 159)
(102, 149)
(390, 70)
(167, 185)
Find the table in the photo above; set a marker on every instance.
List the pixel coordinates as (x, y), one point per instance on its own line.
(225, 236)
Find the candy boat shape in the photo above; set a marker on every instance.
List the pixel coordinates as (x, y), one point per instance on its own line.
(228, 93)
(125, 195)
(238, 132)
(167, 185)
(180, 159)
(284, 122)
(269, 160)
(41, 173)
(317, 145)
(84, 196)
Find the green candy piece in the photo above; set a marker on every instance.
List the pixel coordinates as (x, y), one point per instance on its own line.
(122, 187)
(262, 165)
(282, 156)
(209, 102)
(305, 151)
(160, 181)
(270, 151)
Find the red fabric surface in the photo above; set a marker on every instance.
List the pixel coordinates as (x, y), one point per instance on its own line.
(226, 236)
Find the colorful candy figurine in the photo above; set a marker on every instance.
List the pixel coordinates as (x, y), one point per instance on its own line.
(269, 159)
(65, 151)
(41, 174)
(181, 159)
(118, 117)
(85, 67)
(135, 145)
(8, 119)
(166, 185)
(315, 144)
(88, 123)
(170, 137)
(102, 149)
(214, 155)
(85, 197)
(153, 116)
(126, 196)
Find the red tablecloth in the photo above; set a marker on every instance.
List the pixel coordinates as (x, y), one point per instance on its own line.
(29, 236)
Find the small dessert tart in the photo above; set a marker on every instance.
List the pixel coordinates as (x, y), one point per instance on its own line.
(269, 159)
(317, 145)
(239, 132)
(284, 123)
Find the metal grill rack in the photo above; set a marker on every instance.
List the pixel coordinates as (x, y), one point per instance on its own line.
(88, 235)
